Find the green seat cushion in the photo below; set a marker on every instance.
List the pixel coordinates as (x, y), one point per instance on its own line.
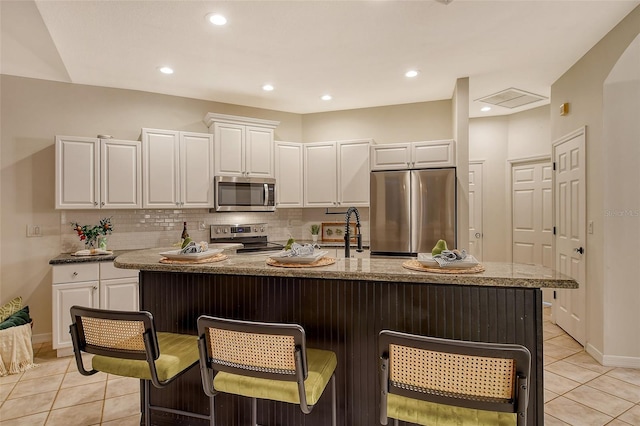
(19, 318)
(177, 353)
(321, 365)
(432, 414)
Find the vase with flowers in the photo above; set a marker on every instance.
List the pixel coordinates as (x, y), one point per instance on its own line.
(89, 234)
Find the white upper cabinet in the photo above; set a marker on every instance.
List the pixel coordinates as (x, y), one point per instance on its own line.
(177, 169)
(413, 155)
(94, 173)
(289, 174)
(243, 146)
(336, 173)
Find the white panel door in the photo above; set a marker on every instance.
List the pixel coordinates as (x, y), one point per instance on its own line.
(160, 169)
(320, 174)
(119, 294)
(532, 213)
(569, 211)
(259, 152)
(196, 170)
(77, 177)
(353, 173)
(64, 297)
(289, 174)
(120, 174)
(475, 210)
(229, 149)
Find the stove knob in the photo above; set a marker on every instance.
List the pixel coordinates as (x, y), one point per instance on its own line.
(225, 230)
(261, 229)
(217, 230)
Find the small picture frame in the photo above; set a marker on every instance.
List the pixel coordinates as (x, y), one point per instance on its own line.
(334, 231)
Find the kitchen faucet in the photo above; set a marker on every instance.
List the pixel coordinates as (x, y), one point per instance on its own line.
(347, 249)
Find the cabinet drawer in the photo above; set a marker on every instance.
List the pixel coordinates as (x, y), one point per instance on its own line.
(75, 272)
(108, 271)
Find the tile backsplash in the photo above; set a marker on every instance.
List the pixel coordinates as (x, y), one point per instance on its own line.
(138, 229)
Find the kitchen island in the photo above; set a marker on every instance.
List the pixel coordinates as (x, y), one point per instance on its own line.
(342, 307)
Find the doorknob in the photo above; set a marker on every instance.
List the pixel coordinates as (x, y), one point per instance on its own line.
(579, 250)
(478, 235)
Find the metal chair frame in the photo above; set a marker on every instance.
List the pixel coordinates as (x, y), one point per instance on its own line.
(520, 354)
(209, 367)
(150, 354)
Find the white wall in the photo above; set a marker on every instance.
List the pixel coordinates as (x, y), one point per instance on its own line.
(582, 87)
(621, 133)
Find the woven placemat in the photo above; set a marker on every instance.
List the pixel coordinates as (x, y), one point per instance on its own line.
(217, 258)
(324, 261)
(417, 266)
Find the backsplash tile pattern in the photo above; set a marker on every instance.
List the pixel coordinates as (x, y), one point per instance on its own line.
(138, 229)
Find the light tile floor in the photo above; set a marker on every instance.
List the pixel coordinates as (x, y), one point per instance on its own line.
(578, 391)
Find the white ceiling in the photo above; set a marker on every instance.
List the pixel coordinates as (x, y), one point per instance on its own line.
(357, 51)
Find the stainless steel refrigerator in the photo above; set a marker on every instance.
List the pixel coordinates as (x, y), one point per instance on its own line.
(411, 210)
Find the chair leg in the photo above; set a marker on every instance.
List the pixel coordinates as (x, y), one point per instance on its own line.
(212, 417)
(147, 420)
(254, 412)
(334, 408)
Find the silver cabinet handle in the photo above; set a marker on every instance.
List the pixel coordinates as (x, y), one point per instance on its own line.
(102, 203)
(75, 274)
(95, 287)
(478, 235)
(95, 203)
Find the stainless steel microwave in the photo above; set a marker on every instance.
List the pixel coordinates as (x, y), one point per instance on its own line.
(241, 194)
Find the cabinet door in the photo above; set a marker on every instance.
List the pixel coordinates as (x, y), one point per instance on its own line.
(160, 168)
(119, 294)
(432, 154)
(353, 173)
(394, 156)
(64, 297)
(320, 177)
(120, 174)
(289, 174)
(258, 152)
(77, 174)
(196, 170)
(229, 149)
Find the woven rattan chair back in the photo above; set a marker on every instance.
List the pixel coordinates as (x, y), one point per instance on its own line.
(266, 350)
(115, 333)
(484, 376)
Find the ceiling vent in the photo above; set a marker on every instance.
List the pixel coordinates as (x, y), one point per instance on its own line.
(511, 98)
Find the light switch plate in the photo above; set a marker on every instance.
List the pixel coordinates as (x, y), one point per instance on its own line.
(33, 231)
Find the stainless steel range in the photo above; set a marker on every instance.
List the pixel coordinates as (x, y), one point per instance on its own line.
(252, 236)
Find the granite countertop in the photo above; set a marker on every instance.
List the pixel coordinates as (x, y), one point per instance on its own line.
(65, 258)
(496, 274)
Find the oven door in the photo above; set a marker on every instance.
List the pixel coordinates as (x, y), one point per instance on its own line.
(238, 194)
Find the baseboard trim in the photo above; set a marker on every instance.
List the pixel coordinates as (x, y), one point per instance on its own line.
(613, 360)
(41, 338)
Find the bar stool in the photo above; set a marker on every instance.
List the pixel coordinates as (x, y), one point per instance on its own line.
(126, 344)
(427, 380)
(264, 361)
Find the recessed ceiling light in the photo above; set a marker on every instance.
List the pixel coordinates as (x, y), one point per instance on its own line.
(216, 19)
(326, 97)
(485, 108)
(166, 70)
(411, 73)
(267, 87)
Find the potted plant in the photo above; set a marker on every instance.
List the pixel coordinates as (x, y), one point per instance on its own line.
(315, 230)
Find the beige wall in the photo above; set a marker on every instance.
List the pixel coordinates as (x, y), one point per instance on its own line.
(388, 124)
(529, 134)
(582, 87)
(32, 113)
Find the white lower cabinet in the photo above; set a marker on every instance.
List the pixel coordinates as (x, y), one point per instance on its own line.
(94, 285)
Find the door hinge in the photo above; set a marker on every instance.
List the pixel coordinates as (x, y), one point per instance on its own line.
(554, 165)
(554, 294)
(554, 230)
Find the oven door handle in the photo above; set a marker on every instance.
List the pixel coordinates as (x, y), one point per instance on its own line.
(266, 194)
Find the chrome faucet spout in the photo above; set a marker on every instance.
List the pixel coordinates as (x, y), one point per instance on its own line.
(347, 236)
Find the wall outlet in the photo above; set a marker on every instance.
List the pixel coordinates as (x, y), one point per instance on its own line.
(33, 231)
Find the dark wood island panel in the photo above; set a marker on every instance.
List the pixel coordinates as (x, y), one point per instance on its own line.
(344, 316)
